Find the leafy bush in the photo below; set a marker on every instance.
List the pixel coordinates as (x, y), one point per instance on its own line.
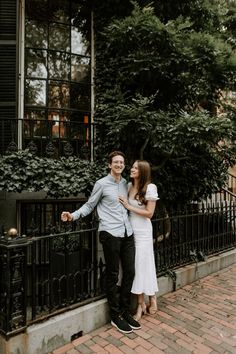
(23, 171)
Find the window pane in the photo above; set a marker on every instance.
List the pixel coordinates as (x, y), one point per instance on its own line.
(80, 127)
(34, 115)
(80, 69)
(81, 18)
(80, 96)
(36, 9)
(58, 120)
(34, 123)
(36, 63)
(59, 95)
(59, 10)
(79, 45)
(59, 65)
(81, 117)
(36, 34)
(59, 37)
(35, 92)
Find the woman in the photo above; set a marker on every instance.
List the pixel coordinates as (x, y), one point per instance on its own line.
(141, 204)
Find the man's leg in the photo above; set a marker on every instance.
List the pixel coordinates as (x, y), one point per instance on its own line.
(111, 250)
(128, 266)
(127, 255)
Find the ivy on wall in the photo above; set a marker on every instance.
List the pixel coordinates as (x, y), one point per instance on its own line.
(22, 171)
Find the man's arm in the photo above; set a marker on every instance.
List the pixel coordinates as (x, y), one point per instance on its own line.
(87, 208)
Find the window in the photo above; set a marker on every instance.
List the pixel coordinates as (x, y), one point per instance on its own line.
(57, 72)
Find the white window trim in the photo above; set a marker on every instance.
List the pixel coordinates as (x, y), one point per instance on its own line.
(21, 71)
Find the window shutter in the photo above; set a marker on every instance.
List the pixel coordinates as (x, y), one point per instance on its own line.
(8, 58)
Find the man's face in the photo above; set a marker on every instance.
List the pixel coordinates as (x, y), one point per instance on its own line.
(117, 165)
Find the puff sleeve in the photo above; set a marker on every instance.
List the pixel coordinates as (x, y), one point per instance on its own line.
(151, 193)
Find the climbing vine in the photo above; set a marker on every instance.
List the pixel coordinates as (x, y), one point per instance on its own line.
(22, 171)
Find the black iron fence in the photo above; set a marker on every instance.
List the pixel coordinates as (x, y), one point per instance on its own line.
(49, 138)
(44, 275)
(191, 235)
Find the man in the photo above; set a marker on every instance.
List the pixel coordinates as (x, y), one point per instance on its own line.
(116, 237)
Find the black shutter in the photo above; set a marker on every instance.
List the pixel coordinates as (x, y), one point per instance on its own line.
(8, 63)
(8, 10)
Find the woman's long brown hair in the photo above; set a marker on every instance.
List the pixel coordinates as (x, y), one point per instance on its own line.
(144, 169)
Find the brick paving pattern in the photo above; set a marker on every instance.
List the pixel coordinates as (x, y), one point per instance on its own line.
(199, 318)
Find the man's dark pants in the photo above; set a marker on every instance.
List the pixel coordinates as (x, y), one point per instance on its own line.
(118, 249)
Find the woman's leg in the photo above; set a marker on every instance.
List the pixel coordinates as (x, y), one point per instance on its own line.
(152, 309)
(141, 309)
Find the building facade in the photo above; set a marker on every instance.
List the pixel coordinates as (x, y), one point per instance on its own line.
(46, 97)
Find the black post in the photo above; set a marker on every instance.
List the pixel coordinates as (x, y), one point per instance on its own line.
(13, 283)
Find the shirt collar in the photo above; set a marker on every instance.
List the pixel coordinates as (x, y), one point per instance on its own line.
(111, 178)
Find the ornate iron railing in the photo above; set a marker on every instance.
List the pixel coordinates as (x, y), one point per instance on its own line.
(191, 235)
(49, 138)
(44, 275)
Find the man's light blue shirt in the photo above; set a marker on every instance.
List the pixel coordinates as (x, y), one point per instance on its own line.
(113, 217)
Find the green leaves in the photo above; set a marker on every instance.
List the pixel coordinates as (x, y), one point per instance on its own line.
(22, 171)
(160, 74)
(145, 53)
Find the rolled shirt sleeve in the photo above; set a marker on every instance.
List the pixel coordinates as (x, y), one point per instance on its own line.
(91, 203)
(112, 215)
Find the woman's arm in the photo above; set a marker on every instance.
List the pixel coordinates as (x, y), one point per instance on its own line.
(147, 212)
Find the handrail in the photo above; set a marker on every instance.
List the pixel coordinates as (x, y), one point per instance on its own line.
(231, 174)
(231, 185)
(229, 192)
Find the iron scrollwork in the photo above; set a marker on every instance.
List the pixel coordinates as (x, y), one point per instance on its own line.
(13, 253)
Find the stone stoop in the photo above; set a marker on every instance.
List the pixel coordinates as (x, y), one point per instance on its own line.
(61, 329)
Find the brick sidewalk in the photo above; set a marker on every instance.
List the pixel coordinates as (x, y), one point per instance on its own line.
(199, 318)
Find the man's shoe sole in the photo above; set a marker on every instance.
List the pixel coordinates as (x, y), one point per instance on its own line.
(121, 330)
(134, 327)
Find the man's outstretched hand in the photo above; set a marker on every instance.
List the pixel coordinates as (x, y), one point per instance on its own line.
(66, 216)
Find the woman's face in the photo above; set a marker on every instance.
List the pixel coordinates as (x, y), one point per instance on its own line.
(134, 172)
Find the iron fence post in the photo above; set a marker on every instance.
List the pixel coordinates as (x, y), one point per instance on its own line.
(13, 284)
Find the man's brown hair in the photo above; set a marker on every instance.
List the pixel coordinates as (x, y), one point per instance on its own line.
(113, 154)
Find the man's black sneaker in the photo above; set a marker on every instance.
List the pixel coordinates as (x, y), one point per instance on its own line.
(121, 324)
(131, 321)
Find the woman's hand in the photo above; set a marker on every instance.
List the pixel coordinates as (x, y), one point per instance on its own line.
(124, 202)
(146, 212)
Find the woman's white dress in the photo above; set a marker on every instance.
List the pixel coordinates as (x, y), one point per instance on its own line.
(145, 280)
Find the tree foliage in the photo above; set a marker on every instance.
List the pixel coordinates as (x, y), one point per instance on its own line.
(160, 73)
(162, 70)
